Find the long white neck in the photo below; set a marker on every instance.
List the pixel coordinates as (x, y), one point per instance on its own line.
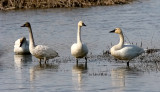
(121, 42)
(79, 35)
(31, 39)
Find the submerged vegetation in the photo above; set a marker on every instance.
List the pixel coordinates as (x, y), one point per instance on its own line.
(25, 4)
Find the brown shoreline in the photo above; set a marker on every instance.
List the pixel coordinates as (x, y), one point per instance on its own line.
(32, 4)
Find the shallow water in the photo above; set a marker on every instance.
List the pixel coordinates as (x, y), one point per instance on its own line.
(57, 28)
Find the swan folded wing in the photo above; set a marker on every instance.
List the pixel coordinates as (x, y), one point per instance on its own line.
(85, 49)
(42, 51)
(130, 51)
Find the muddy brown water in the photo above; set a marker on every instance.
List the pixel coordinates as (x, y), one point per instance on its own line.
(57, 28)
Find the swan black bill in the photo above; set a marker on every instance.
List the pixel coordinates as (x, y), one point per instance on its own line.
(112, 31)
(27, 24)
(23, 25)
(83, 24)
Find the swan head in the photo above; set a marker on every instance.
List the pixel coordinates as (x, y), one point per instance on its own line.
(80, 23)
(116, 30)
(22, 40)
(27, 24)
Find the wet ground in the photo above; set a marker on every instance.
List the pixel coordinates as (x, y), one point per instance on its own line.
(57, 28)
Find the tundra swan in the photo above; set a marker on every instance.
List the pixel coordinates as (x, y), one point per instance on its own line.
(39, 51)
(124, 51)
(21, 46)
(79, 50)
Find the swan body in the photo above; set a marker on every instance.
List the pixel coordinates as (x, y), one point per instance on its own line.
(39, 51)
(21, 46)
(79, 50)
(128, 52)
(123, 51)
(43, 52)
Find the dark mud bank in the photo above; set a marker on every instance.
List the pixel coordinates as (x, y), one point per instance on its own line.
(27, 4)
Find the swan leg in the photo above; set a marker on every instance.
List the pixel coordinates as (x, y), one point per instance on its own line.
(86, 60)
(45, 60)
(39, 61)
(77, 61)
(128, 64)
(85, 65)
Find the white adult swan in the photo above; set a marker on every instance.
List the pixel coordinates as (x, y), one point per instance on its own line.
(79, 50)
(124, 52)
(21, 46)
(39, 51)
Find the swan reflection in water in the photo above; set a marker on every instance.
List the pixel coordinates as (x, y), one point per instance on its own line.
(21, 60)
(119, 76)
(38, 70)
(78, 75)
